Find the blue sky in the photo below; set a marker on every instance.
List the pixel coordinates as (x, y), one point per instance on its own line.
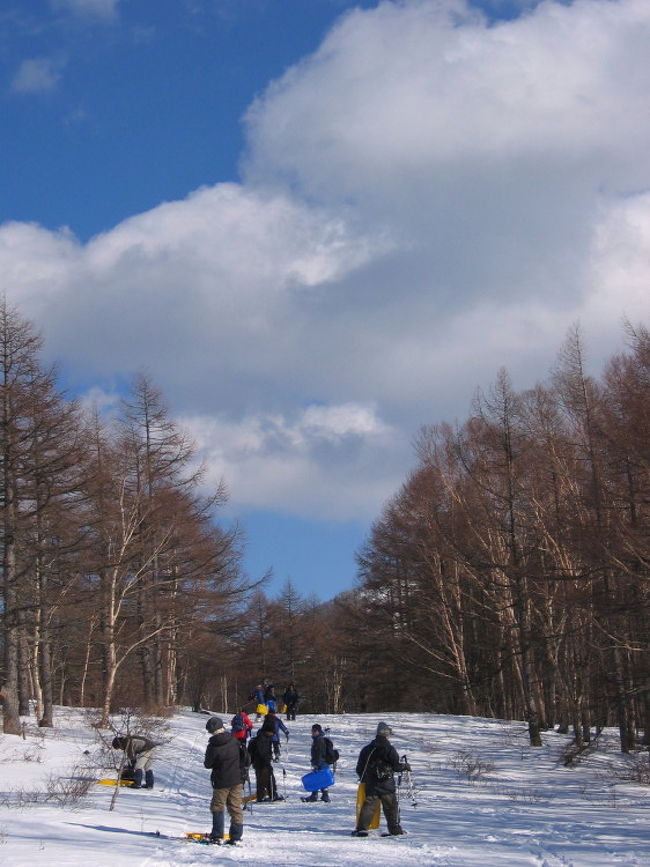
(321, 224)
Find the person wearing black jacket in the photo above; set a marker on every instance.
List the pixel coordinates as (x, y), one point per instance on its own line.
(225, 759)
(377, 764)
(261, 753)
(291, 699)
(318, 761)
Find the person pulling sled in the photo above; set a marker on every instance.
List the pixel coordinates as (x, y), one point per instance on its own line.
(323, 755)
(378, 762)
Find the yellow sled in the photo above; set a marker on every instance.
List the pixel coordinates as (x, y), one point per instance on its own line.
(114, 782)
(361, 797)
(201, 837)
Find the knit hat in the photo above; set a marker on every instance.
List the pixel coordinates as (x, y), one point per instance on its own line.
(317, 728)
(269, 724)
(214, 724)
(384, 730)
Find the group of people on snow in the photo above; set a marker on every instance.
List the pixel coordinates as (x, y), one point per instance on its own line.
(265, 700)
(230, 754)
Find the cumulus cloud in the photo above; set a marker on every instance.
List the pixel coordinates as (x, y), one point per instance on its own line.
(426, 198)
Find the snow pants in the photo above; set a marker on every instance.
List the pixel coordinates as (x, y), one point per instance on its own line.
(390, 807)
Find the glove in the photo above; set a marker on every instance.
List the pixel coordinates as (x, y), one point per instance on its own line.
(287, 737)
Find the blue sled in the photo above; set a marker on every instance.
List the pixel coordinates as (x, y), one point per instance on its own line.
(318, 780)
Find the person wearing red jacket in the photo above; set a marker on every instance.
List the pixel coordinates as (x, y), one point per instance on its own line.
(241, 725)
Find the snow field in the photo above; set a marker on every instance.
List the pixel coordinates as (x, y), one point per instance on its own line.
(483, 797)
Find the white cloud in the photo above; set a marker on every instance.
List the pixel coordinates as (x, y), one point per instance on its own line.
(37, 75)
(427, 198)
(99, 8)
(302, 463)
(397, 94)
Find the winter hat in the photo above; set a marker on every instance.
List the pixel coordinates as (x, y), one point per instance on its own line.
(269, 724)
(384, 730)
(316, 728)
(214, 724)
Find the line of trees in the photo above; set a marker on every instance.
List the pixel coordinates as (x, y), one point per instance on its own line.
(509, 577)
(117, 580)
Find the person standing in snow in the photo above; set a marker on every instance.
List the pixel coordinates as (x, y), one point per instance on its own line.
(225, 759)
(260, 749)
(291, 699)
(258, 697)
(241, 725)
(376, 767)
(318, 761)
(139, 751)
(269, 698)
(278, 726)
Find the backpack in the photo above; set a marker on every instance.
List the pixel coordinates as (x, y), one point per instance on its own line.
(380, 769)
(331, 755)
(237, 723)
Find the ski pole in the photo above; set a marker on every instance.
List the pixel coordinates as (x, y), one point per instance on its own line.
(409, 783)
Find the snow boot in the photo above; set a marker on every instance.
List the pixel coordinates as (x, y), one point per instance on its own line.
(137, 779)
(236, 833)
(325, 796)
(148, 779)
(216, 835)
(311, 799)
(359, 833)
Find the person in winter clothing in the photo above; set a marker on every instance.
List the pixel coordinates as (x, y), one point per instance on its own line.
(260, 749)
(258, 697)
(291, 699)
(241, 725)
(278, 726)
(269, 698)
(377, 764)
(318, 761)
(227, 763)
(139, 753)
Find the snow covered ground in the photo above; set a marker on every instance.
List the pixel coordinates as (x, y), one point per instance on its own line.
(484, 797)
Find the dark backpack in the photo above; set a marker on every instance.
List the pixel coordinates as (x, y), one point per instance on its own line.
(237, 724)
(331, 755)
(380, 769)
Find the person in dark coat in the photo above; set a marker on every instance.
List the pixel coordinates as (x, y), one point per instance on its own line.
(224, 757)
(377, 764)
(139, 752)
(291, 699)
(318, 761)
(260, 749)
(269, 698)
